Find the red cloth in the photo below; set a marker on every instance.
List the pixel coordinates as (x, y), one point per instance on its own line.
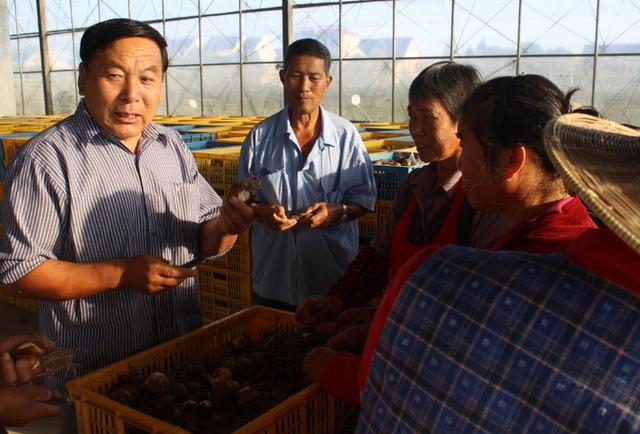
(554, 229)
(551, 230)
(340, 374)
(603, 253)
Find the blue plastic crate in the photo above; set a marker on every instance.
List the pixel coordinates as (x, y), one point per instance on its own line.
(388, 178)
(180, 127)
(204, 144)
(190, 137)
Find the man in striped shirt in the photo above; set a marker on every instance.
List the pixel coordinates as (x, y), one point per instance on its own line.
(101, 207)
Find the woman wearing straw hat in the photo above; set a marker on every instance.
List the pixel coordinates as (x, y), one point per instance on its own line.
(510, 341)
(506, 170)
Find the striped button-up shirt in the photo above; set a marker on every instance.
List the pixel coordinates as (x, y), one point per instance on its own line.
(506, 342)
(75, 193)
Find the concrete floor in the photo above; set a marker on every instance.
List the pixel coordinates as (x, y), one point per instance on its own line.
(16, 321)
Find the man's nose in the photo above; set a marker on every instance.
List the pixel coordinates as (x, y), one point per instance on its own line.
(130, 90)
(305, 82)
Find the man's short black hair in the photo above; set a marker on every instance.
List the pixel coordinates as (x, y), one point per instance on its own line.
(308, 47)
(101, 35)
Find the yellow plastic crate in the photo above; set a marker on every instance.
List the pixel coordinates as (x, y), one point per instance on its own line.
(10, 146)
(214, 309)
(224, 285)
(27, 304)
(370, 223)
(238, 259)
(374, 145)
(218, 165)
(395, 143)
(310, 411)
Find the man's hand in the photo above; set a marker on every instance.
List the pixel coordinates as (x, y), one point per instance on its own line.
(235, 216)
(321, 214)
(23, 403)
(150, 274)
(19, 371)
(314, 310)
(315, 362)
(274, 217)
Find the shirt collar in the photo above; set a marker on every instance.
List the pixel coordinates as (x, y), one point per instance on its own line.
(449, 186)
(327, 137)
(87, 128)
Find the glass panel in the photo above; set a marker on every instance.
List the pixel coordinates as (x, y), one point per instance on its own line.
(30, 54)
(77, 36)
(33, 94)
(307, 2)
(27, 16)
(114, 9)
(146, 10)
(423, 28)
(181, 8)
(558, 27)
(489, 27)
(618, 88)
(259, 4)
(567, 73)
(184, 90)
(406, 71)
(183, 43)
(491, 68)
(85, 13)
(221, 90)
(367, 30)
(263, 94)
(162, 107)
(331, 99)
(221, 39)
(15, 55)
(619, 27)
(58, 14)
(63, 90)
(320, 23)
(11, 6)
(262, 36)
(61, 51)
(18, 92)
(218, 6)
(374, 89)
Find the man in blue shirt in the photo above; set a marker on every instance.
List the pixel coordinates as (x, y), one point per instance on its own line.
(317, 180)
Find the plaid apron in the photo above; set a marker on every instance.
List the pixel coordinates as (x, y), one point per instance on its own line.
(506, 342)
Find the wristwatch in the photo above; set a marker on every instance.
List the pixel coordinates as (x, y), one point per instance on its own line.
(344, 216)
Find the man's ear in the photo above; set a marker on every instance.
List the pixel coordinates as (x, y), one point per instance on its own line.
(514, 158)
(82, 79)
(281, 73)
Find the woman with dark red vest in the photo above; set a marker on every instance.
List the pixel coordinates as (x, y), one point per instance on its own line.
(429, 208)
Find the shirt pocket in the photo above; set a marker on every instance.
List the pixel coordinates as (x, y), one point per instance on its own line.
(273, 187)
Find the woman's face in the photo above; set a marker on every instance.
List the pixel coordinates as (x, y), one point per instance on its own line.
(485, 189)
(433, 130)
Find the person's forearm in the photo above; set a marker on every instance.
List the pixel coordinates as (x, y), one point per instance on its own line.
(59, 280)
(213, 240)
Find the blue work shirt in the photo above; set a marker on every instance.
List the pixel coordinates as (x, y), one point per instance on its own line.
(292, 265)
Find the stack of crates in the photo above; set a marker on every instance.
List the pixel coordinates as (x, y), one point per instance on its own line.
(224, 284)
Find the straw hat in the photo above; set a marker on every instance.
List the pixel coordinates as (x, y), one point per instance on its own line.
(600, 161)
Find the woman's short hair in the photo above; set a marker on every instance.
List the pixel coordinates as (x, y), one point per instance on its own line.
(513, 111)
(449, 82)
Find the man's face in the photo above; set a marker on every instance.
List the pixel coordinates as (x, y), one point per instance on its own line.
(122, 87)
(305, 84)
